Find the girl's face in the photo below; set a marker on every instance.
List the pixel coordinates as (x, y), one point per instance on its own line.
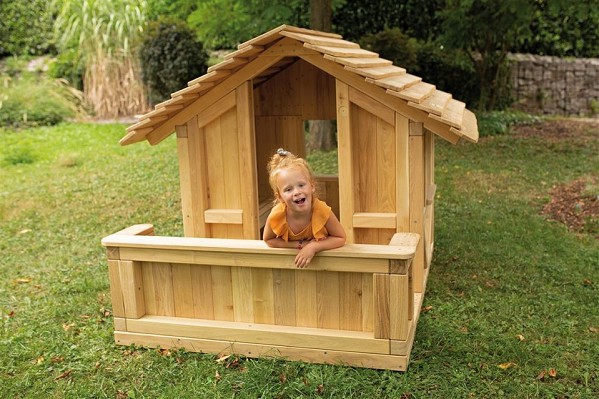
(295, 189)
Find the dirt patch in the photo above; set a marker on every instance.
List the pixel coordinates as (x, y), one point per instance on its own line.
(560, 129)
(575, 204)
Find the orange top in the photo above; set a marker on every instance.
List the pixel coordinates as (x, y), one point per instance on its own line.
(320, 214)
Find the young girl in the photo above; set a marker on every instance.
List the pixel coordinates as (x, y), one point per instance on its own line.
(299, 219)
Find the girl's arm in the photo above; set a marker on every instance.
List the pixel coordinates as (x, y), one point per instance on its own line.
(272, 240)
(335, 239)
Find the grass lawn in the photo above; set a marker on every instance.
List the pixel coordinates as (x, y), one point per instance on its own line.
(511, 308)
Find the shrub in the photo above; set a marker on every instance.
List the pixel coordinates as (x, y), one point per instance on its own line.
(170, 57)
(500, 122)
(37, 101)
(25, 27)
(393, 45)
(67, 66)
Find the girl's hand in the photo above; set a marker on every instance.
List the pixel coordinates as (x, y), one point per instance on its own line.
(305, 255)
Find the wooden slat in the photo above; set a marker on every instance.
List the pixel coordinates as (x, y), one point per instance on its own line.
(416, 93)
(131, 283)
(222, 293)
(386, 155)
(210, 77)
(381, 306)
(396, 83)
(284, 297)
(435, 104)
(245, 52)
(398, 307)
(359, 62)
(120, 324)
(378, 72)
(327, 287)
(243, 306)
(263, 296)
(346, 174)
(333, 339)
(227, 64)
(137, 230)
(306, 298)
(224, 216)
(116, 290)
(453, 114)
(350, 307)
(375, 220)
(320, 40)
(346, 358)
(342, 51)
(193, 90)
(201, 278)
(469, 128)
(405, 239)
(416, 158)
(183, 293)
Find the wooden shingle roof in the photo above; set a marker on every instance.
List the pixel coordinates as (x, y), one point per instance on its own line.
(267, 54)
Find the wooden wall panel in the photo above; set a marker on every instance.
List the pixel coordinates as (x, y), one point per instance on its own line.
(201, 278)
(417, 196)
(306, 298)
(222, 293)
(284, 297)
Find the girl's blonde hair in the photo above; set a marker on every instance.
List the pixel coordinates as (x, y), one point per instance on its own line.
(283, 159)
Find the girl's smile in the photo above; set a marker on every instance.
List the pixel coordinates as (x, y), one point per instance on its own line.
(295, 189)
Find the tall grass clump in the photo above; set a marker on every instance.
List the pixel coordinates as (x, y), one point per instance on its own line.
(105, 35)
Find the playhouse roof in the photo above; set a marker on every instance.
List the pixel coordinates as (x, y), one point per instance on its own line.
(265, 55)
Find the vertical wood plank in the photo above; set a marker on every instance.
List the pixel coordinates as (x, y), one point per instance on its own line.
(148, 288)
(131, 280)
(346, 173)
(398, 307)
(241, 279)
(417, 202)
(327, 286)
(231, 168)
(163, 289)
(201, 277)
(183, 290)
(284, 297)
(350, 301)
(381, 306)
(402, 134)
(367, 302)
(222, 293)
(116, 291)
(386, 172)
(198, 184)
(247, 160)
(263, 299)
(185, 180)
(306, 298)
(216, 175)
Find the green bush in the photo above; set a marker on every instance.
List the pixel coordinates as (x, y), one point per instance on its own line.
(28, 101)
(170, 57)
(393, 45)
(449, 70)
(25, 27)
(67, 66)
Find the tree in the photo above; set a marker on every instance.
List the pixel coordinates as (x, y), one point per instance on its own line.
(487, 30)
(321, 133)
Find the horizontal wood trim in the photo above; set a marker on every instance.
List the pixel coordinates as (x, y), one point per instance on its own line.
(223, 348)
(276, 259)
(258, 247)
(375, 220)
(224, 216)
(371, 105)
(138, 230)
(315, 338)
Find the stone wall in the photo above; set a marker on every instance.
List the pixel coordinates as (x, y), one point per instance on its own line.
(552, 85)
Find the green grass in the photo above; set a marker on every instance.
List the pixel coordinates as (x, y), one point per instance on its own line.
(500, 271)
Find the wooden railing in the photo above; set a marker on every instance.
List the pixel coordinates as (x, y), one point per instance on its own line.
(353, 305)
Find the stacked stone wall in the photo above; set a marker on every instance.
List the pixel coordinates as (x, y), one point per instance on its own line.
(552, 85)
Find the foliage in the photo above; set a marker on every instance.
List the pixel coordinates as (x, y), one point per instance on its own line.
(501, 122)
(105, 34)
(393, 45)
(488, 329)
(487, 30)
(449, 70)
(25, 27)
(170, 57)
(226, 23)
(416, 18)
(65, 66)
(563, 28)
(31, 99)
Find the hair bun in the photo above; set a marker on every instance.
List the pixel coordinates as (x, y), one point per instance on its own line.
(283, 152)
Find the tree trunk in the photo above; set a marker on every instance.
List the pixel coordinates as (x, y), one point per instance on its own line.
(321, 134)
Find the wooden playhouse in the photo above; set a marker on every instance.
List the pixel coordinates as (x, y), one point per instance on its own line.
(220, 289)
